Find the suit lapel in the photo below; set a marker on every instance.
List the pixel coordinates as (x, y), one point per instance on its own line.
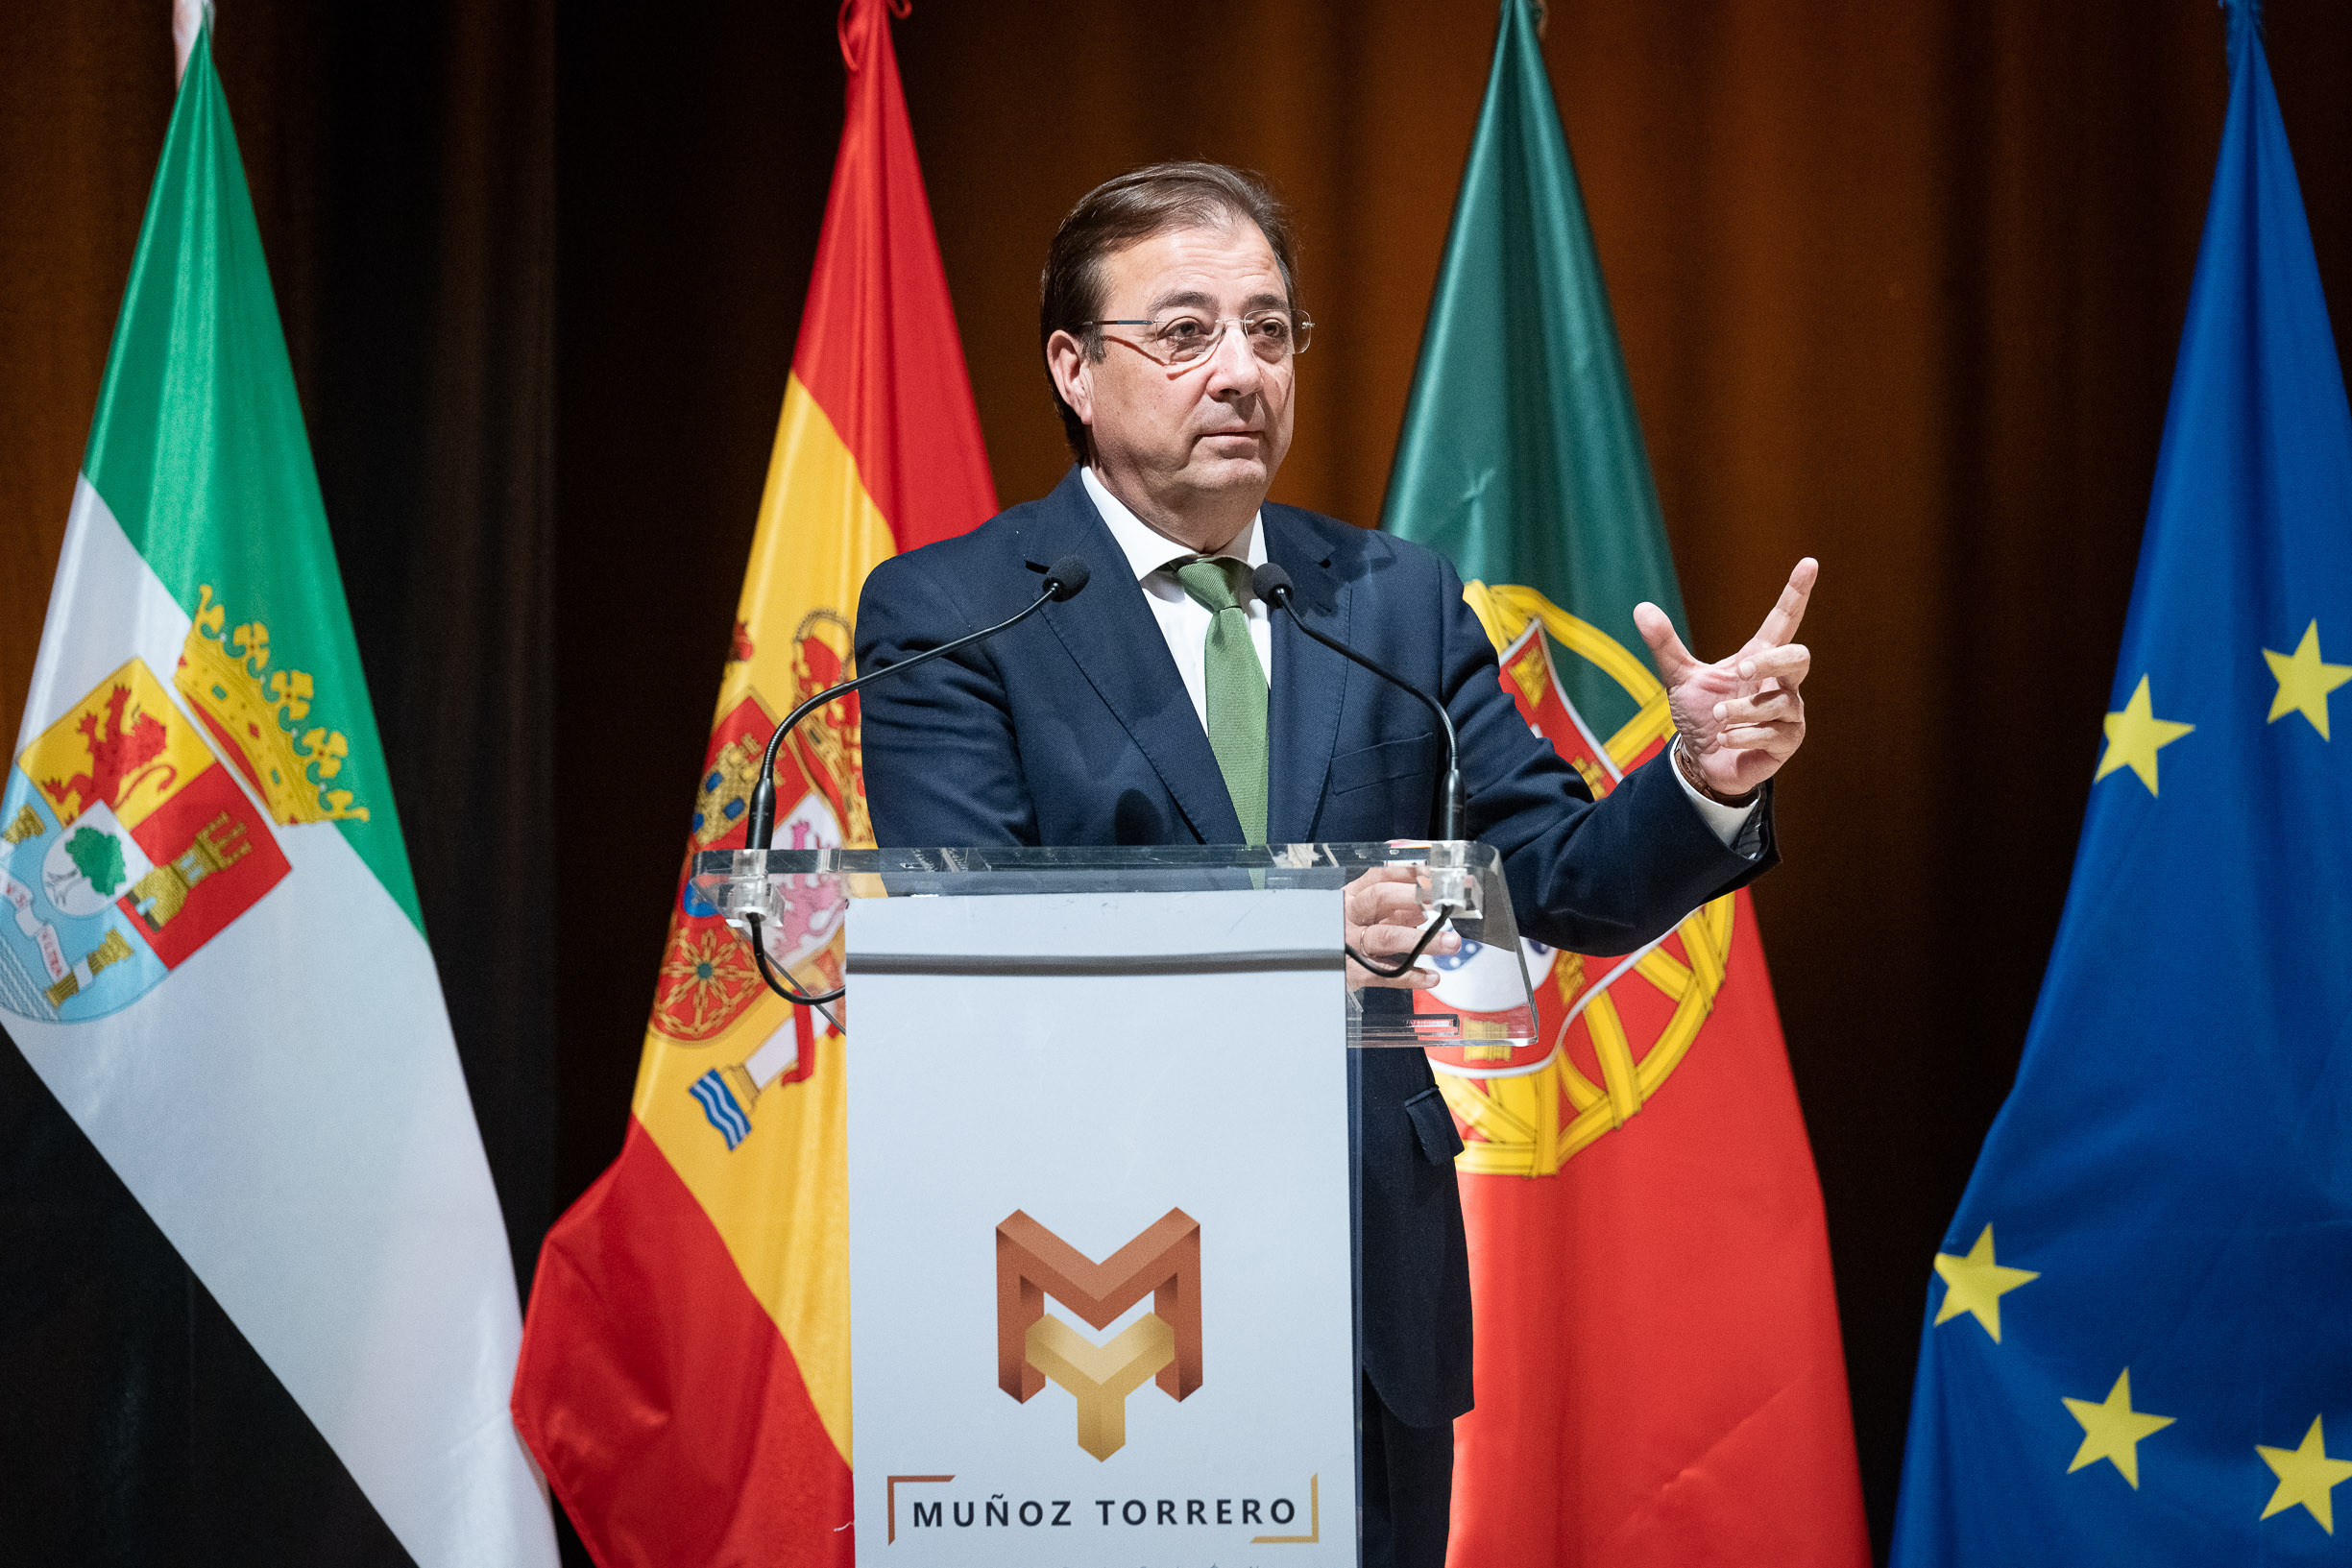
(1309, 682)
(1110, 633)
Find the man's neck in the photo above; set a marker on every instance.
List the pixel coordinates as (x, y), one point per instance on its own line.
(1204, 524)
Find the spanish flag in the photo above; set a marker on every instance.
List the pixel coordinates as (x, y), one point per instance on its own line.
(684, 1369)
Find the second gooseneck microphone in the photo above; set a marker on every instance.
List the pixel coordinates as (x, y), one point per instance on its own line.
(1273, 583)
(1063, 580)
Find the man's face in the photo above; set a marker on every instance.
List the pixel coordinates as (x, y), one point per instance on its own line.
(1205, 437)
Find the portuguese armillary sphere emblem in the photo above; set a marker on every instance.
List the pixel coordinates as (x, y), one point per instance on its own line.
(1612, 1028)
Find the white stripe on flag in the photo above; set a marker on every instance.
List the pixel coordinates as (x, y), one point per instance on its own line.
(288, 1106)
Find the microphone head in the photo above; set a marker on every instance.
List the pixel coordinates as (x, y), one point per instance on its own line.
(1064, 578)
(1271, 583)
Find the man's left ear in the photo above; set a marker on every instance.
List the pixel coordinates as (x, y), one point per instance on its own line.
(1073, 373)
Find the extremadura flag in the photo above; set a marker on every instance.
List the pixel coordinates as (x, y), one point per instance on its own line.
(211, 953)
(684, 1376)
(1659, 1379)
(2137, 1346)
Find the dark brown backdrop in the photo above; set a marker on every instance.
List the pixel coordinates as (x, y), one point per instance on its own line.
(1899, 285)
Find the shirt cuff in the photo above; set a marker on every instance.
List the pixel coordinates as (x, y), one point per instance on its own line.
(1728, 822)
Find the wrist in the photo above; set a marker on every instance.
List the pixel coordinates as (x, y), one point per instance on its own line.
(1691, 776)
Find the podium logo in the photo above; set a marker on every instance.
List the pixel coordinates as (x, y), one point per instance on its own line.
(1033, 1345)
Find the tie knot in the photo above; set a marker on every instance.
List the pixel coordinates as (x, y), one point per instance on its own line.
(1214, 584)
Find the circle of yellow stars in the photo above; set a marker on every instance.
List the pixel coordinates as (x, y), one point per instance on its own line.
(2112, 1430)
(2135, 734)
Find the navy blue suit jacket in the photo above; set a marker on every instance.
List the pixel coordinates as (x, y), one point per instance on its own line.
(1075, 728)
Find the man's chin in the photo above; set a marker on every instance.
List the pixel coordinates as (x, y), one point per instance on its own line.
(1209, 473)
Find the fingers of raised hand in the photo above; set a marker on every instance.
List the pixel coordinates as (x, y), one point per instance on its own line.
(1788, 664)
(1778, 738)
(1770, 705)
(1788, 613)
(1667, 649)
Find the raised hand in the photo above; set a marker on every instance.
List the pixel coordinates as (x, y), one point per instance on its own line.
(1741, 718)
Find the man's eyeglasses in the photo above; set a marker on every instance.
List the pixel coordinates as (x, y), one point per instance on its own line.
(1187, 338)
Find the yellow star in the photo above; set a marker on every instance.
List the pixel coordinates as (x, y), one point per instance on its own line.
(1976, 1284)
(2305, 1473)
(2134, 738)
(2304, 681)
(2112, 1430)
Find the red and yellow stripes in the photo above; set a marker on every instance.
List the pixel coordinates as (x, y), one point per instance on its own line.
(684, 1377)
(879, 351)
(656, 1395)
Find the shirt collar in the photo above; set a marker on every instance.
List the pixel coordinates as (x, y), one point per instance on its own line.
(1147, 550)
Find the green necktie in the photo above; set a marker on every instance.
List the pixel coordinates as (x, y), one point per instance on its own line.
(1236, 689)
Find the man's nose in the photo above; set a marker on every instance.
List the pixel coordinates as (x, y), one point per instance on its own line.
(1235, 369)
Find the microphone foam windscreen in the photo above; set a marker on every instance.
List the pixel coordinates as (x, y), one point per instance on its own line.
(1270, 583)
(1065, 577)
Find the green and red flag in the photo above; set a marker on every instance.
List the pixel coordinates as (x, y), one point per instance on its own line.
(1659, 1378)
(684, 1375)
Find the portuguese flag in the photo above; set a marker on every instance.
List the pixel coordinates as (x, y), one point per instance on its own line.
(684, 1377)
(1659, 1372)
(211, 953)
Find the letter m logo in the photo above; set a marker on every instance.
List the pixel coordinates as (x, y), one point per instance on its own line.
(1033, 1345)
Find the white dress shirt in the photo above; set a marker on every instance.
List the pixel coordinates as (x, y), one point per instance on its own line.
(1184, 621)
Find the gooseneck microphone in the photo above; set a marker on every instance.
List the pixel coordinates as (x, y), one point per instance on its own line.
(1063, 580)
(1271, 583)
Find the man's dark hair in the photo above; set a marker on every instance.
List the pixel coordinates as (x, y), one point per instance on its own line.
(1136, 207)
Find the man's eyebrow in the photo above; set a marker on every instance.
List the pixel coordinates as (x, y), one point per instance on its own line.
(1193, 298)
(1197, 300)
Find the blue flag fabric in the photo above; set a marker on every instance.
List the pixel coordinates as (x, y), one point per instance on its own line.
(2139, 1339)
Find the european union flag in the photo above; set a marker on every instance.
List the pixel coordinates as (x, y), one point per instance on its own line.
(2139, 1342)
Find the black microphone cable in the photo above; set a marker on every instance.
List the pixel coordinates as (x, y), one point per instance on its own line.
(1063, 580)
(1271, 583)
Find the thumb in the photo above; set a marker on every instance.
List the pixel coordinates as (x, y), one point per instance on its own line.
(1667, 649)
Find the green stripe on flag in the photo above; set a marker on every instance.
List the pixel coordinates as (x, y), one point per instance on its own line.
(1521, 457)
(198, 450)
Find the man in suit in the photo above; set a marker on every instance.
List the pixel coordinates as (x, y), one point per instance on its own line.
(1165, 705)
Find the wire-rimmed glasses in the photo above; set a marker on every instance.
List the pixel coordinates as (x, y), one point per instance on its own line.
(1186, 337)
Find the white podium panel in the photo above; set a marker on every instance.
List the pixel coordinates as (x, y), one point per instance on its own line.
(1100, 1284)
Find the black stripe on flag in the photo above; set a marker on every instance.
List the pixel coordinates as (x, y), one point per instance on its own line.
(142, 1427)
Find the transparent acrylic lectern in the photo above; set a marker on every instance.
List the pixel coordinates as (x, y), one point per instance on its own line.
(1099, 1159)
(801, 897)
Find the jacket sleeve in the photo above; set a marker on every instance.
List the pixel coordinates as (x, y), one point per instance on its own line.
(1598, 877)
(941, 762)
